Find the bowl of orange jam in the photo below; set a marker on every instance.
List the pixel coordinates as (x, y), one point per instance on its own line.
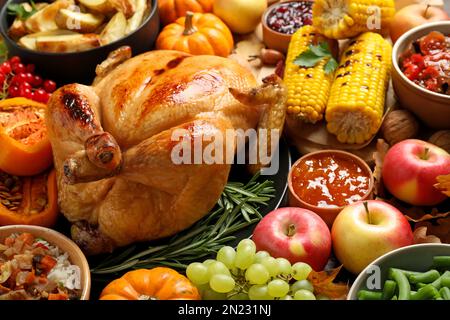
(326, 181)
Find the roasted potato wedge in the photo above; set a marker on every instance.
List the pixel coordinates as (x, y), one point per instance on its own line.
(135, 21)
(68, 43)
(29, 41)
(78, 21)
(115, 29)
(128, 7)
(44, 19)
(104, 7)
(17, 29)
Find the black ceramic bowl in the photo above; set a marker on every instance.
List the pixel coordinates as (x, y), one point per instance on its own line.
(80, 66)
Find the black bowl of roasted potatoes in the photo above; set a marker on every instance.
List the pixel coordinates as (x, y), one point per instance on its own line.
(67, 39)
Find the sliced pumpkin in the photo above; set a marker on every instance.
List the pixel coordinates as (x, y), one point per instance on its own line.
(24, 143)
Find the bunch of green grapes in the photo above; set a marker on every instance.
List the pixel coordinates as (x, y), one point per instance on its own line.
(244, 274)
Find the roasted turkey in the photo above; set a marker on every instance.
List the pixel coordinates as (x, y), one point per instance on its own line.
(112, 142)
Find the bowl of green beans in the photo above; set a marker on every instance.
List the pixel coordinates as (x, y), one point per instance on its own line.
(417, 272)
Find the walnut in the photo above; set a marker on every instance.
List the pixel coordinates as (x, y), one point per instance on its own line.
(441, 139)
(399, 125)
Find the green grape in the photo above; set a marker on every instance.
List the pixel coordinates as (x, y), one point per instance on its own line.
(322, 297)
(261, 255)
(245, 256)
(207, 262)
(239, 296)
(271, 265)
(218, 267)
(304, 295)
(226, 255)
(210, 294)
(278, 288)
(287, 297)
(302, 285)
(257, 274)
(222, 283)
(198, 273)
(246, 243)
(301, 270)
(259, 292)
(284, 266)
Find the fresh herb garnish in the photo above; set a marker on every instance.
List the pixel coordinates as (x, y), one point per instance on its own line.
(316, 53)
(236, 209)
(19, 10)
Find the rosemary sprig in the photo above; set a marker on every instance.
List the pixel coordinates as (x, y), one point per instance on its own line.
(236, 209)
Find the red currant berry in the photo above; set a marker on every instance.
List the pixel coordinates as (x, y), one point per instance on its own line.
(29, 77)
(24, 92)
(37, 81)
(40, 95)
(14, 60)
(49, 86)
(20, 78)
(2, 79)
(5, 68)
(13, 91)
(30, 68)
(26, 85)
(18, 68)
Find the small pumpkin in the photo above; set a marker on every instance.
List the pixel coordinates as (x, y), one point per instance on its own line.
(151, 284)
(197, 34)
(171, 10)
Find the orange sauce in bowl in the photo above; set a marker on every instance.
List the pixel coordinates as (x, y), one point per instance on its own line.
(330, 180)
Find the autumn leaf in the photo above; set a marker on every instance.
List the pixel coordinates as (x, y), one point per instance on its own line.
(438, 227)
(323, 284)
(428, 216)
(420, 236)
(443, 184)
(378, 157)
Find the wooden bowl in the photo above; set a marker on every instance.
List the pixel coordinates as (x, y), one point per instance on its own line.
(430, 107)
(328, 214)
(273, 39)
(76, 257)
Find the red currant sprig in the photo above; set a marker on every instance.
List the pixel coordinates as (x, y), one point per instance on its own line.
(19, 80)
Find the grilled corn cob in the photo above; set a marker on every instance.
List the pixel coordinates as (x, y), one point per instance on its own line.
(356, 104)
(340, 19)
(308, 88)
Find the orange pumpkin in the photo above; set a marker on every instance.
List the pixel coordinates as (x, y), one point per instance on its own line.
(154, 284)
(171, 10)
(197, 34)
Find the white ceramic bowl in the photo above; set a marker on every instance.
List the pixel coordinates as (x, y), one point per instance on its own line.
(418, 257)
(432, 108)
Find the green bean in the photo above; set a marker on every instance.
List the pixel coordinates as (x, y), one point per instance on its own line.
(394, 298)
(407, 273)
(437, 283)
(369, 295)
(441, 261)
(424, 277)
(445, 293)
(404, 288)
(421, 285)
(389, 289)
(426, 293)
(445, 281)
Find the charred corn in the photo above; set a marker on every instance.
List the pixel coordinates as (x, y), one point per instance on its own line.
(356, 104)
(340, 19)
(307, 88)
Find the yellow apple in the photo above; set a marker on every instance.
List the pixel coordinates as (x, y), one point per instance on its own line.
(241, 16)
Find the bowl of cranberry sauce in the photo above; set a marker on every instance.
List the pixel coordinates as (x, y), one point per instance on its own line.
(282, 20)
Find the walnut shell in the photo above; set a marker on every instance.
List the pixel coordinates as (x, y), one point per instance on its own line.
(399, 125)
(441, 139)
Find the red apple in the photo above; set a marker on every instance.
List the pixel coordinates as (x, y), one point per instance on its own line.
(410, 169)
(412, 16)
(360, 236)
(295, 234)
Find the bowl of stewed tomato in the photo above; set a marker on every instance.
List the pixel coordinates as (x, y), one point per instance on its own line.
(328, 180)
(421, 73)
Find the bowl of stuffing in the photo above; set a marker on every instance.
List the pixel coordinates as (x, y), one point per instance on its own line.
(38, 263)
